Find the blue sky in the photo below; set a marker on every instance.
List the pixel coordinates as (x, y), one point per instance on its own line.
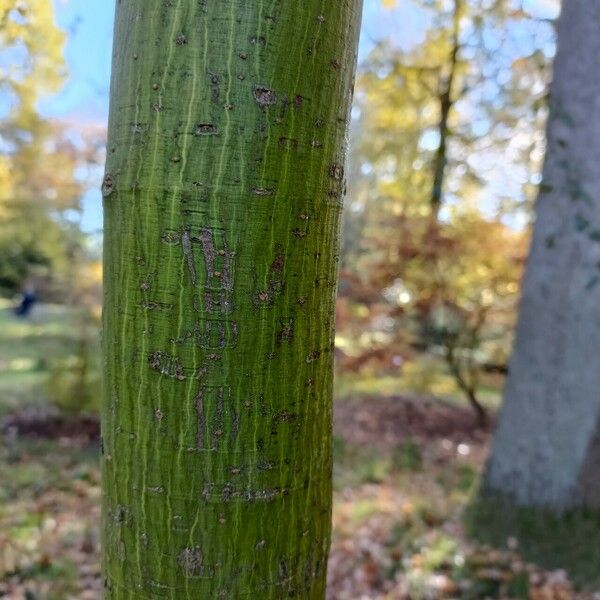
(89, 23)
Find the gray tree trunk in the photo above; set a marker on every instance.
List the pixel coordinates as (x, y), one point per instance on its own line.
(546, 451)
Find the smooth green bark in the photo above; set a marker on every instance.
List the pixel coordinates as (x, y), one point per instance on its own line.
(222, 198)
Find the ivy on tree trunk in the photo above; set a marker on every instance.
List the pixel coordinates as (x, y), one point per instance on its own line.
(222, 196)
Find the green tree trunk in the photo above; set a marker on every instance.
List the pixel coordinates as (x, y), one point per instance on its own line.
(222, 198)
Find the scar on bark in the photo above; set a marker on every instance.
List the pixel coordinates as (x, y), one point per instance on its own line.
(200, 419)
(151, 305)
(217, 301)
(262, 191)
(218, 424)
(120, 513)
(206, 129)
(186, 244)
(166, 364)
(264, 96)
(170, 237)
(191, 561)
(336, 171)
(215, 83)
(289, 143)
(286, 333)
(284, 416)
(279, 261)
(108, 185)
(220, 396)
(313, 356)
(212, 256)
(216, 334)
(266, 297)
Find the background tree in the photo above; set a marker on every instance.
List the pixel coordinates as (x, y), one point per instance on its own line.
(222, 194)
(38, 187)
(434, 246)
(546, 447)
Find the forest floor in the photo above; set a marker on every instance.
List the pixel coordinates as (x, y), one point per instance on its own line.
(405, 472)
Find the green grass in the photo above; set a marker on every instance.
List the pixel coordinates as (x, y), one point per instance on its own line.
(33, 348)
(570, 541)
(349, 386)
